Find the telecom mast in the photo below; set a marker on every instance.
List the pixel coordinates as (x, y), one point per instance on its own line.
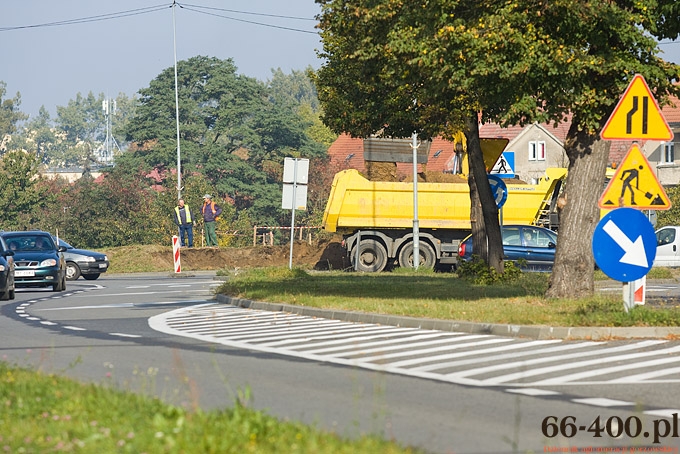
(109, 108)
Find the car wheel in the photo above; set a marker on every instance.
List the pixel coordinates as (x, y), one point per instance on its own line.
(60, 286)
(72, 271)
(11, 294)
(426, 254)
(91, 277)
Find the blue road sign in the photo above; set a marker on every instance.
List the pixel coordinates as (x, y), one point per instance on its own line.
(505, 166)
(624, 244)
(499, 190)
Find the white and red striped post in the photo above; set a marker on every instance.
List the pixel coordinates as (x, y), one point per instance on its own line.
(175, 253)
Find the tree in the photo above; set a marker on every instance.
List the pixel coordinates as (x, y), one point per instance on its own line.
(10, 115)
(83, 125)
(21, 195)
(380, 79)
(234, 130)
(513, 63)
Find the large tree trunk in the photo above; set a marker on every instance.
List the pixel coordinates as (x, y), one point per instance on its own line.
(573, 272)
(491, 225)
(479, 241)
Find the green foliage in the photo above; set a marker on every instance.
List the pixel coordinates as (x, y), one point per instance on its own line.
(10, 115)
(671, 216)
(22, 195)
(45, 412)
(478, 272)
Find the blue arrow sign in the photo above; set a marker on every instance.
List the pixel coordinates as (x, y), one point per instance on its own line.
(624, 244)
(498, 189)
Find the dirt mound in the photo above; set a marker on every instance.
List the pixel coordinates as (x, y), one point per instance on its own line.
(318, 255)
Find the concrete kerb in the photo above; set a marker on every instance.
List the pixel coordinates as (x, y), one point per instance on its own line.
(540, 332)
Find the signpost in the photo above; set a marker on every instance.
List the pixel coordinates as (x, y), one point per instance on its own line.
(637, 116)
(295, 172)
(624, 245)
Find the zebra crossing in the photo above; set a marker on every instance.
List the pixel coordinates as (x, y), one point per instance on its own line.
(454, 357)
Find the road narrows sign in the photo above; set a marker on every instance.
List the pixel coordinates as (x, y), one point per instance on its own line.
(635, 185)
(637, 116)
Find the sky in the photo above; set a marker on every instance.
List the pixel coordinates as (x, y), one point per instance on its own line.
(99, 53)
(50, 65)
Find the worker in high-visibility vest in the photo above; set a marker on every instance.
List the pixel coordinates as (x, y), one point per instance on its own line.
(211, 213)
(185, 223)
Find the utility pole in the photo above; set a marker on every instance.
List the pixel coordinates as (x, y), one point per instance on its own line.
(416, 229)
(179, 162)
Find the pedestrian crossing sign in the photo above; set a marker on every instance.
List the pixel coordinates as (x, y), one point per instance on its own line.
(637, 116)
(635, 185)
(505, 165)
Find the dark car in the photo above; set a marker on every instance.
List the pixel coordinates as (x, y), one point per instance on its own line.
(38, 260)
(6, 272)
(81, 262)
(530, 247)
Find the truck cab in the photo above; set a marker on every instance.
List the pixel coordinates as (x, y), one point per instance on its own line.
(668, 246)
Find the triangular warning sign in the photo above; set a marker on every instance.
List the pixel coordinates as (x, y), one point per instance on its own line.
(637, 116)
(635, 185)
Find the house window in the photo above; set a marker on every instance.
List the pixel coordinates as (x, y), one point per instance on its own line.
(536, 151)
(668, 153)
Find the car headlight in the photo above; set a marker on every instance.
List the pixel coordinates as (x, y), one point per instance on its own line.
(106, 258)
(90, 259)
(48, 262)
(2, 268)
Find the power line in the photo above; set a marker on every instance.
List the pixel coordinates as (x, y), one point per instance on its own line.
(98, 18)
(248, 21)
(151, 9)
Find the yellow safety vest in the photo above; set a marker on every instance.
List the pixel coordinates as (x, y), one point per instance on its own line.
(188, 214)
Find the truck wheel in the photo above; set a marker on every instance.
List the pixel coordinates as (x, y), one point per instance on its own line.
(425, 251)
(372, 256)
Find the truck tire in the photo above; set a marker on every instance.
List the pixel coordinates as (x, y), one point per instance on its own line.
(427, 255)
(372, 256)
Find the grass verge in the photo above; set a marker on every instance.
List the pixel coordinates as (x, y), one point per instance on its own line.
(47, 413)
(515, 300)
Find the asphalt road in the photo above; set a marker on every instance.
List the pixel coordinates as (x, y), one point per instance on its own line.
(100, 331)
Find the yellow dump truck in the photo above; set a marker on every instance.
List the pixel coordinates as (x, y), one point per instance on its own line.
(376, 218)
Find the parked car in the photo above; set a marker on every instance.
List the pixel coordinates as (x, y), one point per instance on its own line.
(81, 262)
(530, 247)
(38, 260)
(6, 272)
(667, 246)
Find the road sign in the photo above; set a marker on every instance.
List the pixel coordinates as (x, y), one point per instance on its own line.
(491, 150)
(624, 244)
(637, 116)
(499, 190)
(635, 185)
(505, 166)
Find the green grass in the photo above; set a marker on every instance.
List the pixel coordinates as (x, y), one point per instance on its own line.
(47, 413)
(515, 300)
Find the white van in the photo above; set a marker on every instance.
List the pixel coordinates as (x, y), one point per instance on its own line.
(668, 246)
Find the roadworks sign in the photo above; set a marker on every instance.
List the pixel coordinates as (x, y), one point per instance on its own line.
(637, 116)
(635, 185)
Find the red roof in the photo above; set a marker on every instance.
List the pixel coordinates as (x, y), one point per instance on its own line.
(672, 112)
(348, 153)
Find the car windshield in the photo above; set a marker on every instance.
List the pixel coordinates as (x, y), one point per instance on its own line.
(30, 243)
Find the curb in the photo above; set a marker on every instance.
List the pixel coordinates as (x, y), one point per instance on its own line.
(539, 332)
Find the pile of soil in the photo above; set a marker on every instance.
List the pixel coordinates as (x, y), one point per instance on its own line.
(319, 255)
